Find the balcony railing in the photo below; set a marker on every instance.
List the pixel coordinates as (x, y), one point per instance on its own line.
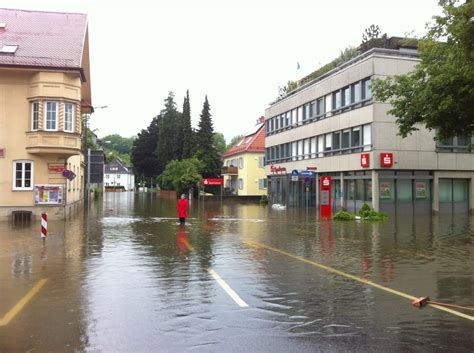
(230, 170)
(53, 142)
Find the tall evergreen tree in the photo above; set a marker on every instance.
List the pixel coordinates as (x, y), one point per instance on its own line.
(186, 129)
(206, 150)
(143, 151)
(169, 139)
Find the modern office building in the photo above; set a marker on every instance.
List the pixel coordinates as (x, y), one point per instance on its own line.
(244, 169)
(332, 126)
(44, 90)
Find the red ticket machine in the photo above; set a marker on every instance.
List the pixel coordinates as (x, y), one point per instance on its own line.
(325, 197)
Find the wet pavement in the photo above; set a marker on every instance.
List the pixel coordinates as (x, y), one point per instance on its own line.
(237, 278)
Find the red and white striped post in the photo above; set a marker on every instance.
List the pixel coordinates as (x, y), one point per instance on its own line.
(44, 225)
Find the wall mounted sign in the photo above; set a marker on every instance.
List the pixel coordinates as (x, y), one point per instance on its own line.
(365, 160)
(59, 168)
(2, 152)
(48, 194)
(294, 175)
(69, 174)
(274, 169)
(386, 159)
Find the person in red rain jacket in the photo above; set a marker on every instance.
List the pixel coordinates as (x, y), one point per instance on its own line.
(182, 209)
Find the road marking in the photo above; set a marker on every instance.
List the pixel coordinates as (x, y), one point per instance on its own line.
(22, 303)
(227, 288)
(358, 279)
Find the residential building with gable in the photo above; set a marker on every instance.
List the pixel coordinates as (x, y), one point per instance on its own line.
(244, 168)
(118, 177)
(44, 92)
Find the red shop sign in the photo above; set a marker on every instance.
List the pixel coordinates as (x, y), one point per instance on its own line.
(364, 160)
(274, 169)
(213, 181)
(386, 159)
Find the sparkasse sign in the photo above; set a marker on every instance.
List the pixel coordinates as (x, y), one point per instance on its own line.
(213, 181)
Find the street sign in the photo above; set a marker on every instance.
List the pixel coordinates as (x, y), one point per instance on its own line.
(294, 175)
(306, 173)
(213, 181)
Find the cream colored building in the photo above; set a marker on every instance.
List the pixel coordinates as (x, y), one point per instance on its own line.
(244, 168)
(44, 91)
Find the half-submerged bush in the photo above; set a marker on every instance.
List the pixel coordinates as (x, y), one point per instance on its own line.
(369, 214)
(344, 216)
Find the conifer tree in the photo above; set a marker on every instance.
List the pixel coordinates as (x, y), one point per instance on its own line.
(169, 140)
(186, 130)
(206, 151)
(143, 156)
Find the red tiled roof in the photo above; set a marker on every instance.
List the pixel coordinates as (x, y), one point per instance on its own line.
(251, 143)
(44, 39)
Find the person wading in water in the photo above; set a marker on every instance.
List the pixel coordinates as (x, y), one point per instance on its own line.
(182, 209)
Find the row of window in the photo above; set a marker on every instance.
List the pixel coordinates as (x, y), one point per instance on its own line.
(240, 162)
(355, 139)
(262, 183)
(456, 144)
(351, 96)
(51, 115)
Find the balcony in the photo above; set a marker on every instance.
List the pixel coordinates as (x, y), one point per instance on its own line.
(229, 171)
(53, 142)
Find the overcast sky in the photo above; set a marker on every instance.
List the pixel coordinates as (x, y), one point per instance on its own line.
(236, 52)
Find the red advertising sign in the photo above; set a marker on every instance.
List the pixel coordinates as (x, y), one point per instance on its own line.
(386, 159)
(56, 168)
(213, 181)
(274, 169)
(2, 152)
(325, 197)
(364, 160)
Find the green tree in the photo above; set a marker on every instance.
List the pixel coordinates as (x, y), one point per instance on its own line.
(234, 140)
(219, 142)
(186, 129)
(143, 155)
(169, 146)
(206, 150)
(116, 146)
(439, 92)
(181, 175)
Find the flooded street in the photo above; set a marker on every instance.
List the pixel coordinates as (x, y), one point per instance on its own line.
(127, 277)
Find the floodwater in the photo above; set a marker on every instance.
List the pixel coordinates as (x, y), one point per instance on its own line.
(127, 278)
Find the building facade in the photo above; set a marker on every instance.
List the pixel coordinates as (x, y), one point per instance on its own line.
(44, 90)
(118, 177)
(333, 127)
(244, 168)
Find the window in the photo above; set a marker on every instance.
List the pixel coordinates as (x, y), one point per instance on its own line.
(300, 149)
(118, 176)
(356, 92)
(336, 103)
(241, 163)
(336, 140)
(287, 118)
(313, 147)
(277, 121)
(294, 116)
(346, 96)
(272, 127)
(300, 114)
(261, 161)
(346, 138)
(306, 148)
(263, 184)
(367, 135)
(241, 184)
(355, 137)
(35, 116)
(366, 91)
(51, 116)
(294, 150)
(106, 176)
(328, 143)
(328, 104)
(288, 151)
(69, 117)
(23, 175)
(320, 107)
(312, 109)
(321, 146)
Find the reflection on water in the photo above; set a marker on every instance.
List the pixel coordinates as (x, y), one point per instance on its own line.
(128, 277)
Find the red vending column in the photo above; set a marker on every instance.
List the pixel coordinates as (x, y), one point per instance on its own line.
(325, 199)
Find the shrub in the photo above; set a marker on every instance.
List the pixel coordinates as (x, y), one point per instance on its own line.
(343, 216)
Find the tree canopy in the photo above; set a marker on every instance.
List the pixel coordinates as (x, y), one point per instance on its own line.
(439, 93)
(181, 175)
(143, 151)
